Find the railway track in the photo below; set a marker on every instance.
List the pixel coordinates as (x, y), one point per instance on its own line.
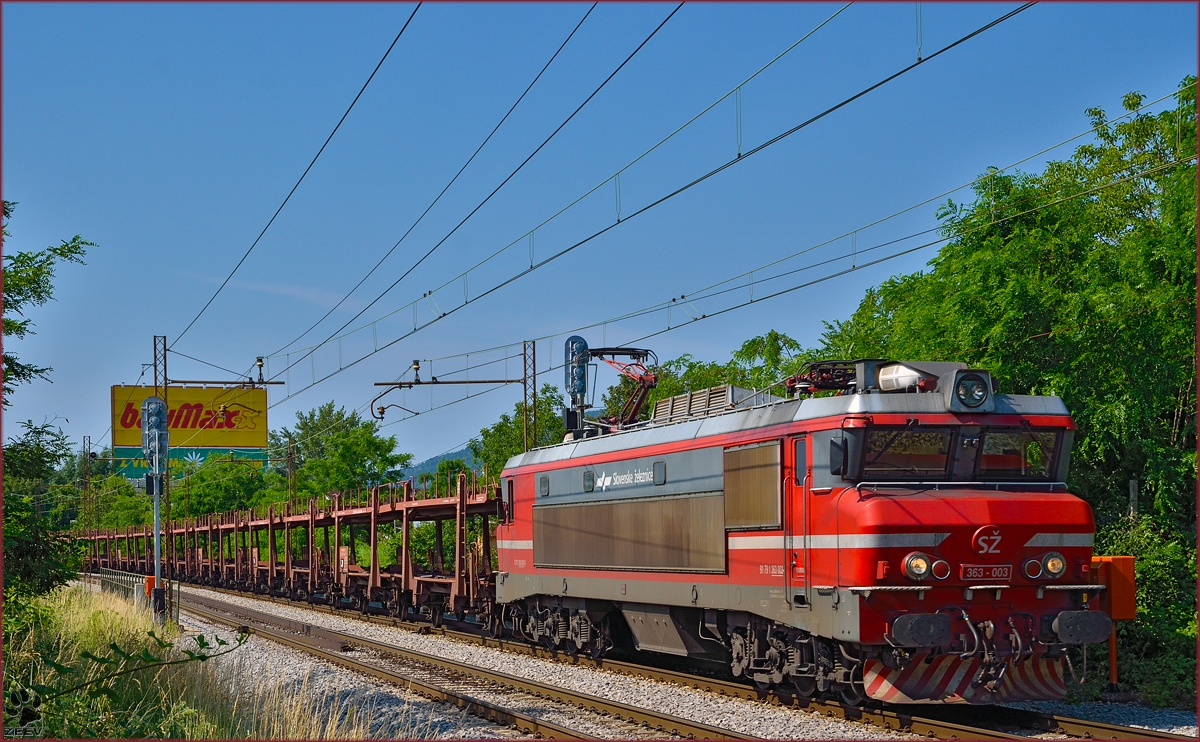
(331, 645)
(929, 721)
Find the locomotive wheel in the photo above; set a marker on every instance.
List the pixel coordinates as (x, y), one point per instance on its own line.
(737, 651)
(853, 694)
(805, 686)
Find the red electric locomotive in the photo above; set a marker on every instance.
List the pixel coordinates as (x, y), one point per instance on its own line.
(908, 539)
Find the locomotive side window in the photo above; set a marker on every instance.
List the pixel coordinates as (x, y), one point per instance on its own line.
(589, 480)
(906, 453)
(1017, 454)
(543, 485)
(511, 514)
(660, 472)
(752, 482)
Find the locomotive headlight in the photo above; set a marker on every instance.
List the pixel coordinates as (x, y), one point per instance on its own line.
(1054, 564)
(917, 565)
(971, 390)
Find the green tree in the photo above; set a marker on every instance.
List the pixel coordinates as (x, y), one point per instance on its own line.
(28, 283)
(1080, 281)
(759, 363)
(312, 432)
(498, 443)
(36, 559)
(217, 486)
(352, 458)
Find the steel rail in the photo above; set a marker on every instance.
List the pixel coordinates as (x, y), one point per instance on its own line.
(615, 709)
(474, 706)
(883, 718)
(889, 717)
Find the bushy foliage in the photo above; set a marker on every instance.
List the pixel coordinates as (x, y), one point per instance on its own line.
(761, 363)
(35, 558)
(501, 441)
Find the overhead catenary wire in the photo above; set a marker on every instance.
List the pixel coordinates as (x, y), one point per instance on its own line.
(206, 363)
(300, 180)
(692, 294)
(496, 190)
(616, 176)
(663, 199)
(437, 198)
(696, 294)
(860, 266)
(837, 274)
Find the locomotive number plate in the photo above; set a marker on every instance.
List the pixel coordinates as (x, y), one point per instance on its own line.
(985, 571)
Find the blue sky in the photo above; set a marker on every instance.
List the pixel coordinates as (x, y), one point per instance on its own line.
(168, 134)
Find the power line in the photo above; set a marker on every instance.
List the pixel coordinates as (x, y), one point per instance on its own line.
(470, 159)
(627, 166)
(206, 363)
(301, 179)
(857, 267)
(730, 163)
(497, 188)
(692, 294)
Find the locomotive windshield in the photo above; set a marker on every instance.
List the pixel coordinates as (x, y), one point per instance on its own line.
(906, 453)
(921, 453)
(1007, 453)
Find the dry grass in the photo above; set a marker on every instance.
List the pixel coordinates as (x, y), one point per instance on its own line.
(223, 698)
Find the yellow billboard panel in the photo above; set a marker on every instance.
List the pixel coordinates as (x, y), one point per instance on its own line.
(195, 417)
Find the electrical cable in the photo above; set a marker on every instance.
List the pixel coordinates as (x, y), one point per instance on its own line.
(301, 179)
(876, 222)
(497, 188)
(644, 209)
(206, 363)
(632, 162)
(830, 276)
(433, 203)
(981, 178)
(692, 294)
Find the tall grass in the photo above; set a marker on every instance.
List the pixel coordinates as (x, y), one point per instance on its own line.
(226, 697)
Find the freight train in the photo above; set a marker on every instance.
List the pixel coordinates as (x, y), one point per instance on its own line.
(896, 531)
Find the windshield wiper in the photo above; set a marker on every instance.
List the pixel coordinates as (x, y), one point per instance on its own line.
(893, 439)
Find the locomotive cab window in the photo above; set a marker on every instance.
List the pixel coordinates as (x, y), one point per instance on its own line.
(1008, 453)
(511, 513)
(543, 485)
(914, 452)
(752, 486)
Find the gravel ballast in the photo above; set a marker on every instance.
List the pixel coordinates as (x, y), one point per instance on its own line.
(749, 717)
(393, 712)
(1174, 721)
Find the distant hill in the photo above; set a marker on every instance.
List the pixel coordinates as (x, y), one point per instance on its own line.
(431, 465)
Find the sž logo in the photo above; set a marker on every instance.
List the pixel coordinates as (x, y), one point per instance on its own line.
(986, 541)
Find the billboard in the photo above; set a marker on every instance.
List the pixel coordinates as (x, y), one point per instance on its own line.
(197, 417)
